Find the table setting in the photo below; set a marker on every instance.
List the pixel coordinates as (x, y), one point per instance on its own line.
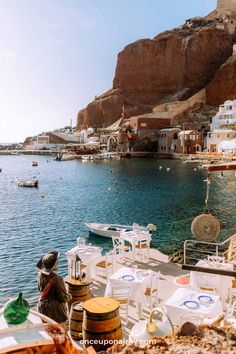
(186, 301)
(134, 237)
(137, 279)
(214, 281)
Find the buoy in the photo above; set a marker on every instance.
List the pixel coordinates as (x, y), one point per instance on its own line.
(205, 227)
(109, 188)
(168, 169)
(160, 167)
(42, 195)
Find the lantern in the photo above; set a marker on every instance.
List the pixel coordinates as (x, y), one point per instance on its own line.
(76, 268)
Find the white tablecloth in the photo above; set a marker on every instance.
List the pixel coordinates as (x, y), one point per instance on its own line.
(134, 237)
(175, 305)
(138, 285)
(221, 282)
(89, 255)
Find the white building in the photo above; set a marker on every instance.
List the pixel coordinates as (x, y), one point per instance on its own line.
(226, 117)
(219, 136)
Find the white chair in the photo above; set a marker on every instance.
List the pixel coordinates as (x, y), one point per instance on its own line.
(151, 292)
(142, 248)
(119, 248)
(203, 284)
(232, 293)
(215, 259)
(230, 314)
(121, 293)
(232, 249)
(105, 267)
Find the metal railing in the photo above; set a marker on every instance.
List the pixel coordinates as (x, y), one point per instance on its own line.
(195, 250)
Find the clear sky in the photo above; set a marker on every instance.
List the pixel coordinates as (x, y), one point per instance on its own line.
(56, 55)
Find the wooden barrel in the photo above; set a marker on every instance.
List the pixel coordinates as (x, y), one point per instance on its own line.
(76, 319)
(79, 290)
(101, 323)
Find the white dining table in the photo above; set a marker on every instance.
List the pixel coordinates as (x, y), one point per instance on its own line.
(141, 280)
(89, 255)
(134, 237)
(216, 281)
(182, 301)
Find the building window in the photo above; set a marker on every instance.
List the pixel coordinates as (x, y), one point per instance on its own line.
(175, 136)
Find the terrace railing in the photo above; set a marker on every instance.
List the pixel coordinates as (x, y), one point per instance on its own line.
(195, 250)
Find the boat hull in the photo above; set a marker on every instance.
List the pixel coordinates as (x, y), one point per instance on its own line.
(109, 230)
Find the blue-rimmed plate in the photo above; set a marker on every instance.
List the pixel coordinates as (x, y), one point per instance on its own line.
(206, 299)
(193, 305)
(128, 277)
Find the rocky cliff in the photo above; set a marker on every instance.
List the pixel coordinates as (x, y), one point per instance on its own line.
(151, 71)
(223, 86)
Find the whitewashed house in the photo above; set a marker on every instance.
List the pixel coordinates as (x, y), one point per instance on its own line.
(226, 117)
(219, 136)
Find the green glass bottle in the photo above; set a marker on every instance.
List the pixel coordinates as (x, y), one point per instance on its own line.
(16, 311)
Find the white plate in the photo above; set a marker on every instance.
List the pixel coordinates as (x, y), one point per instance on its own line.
(128, 277)
(206, 299)
(193, 305)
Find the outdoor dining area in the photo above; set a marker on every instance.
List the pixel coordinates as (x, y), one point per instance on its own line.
(113, 294)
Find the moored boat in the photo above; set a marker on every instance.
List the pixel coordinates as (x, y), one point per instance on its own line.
(27, 182)
(34, 163)
(109, 230)
(87, 157)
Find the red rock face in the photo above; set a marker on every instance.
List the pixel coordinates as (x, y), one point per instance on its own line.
(223, 86)
(150, 71)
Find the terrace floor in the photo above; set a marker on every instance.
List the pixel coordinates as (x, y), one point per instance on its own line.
(157, 262)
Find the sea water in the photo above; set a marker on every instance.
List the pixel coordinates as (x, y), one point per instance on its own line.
(70, 193)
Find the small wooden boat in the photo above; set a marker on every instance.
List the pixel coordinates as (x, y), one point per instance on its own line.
(109, 230)
(34, 163)
(27, 183)
(38, 334)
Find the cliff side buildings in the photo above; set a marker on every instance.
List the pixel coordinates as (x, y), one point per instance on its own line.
(222, 137)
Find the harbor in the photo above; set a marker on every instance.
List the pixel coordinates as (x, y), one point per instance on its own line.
(118, 177)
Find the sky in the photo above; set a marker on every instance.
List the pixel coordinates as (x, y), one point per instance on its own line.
(57, 55)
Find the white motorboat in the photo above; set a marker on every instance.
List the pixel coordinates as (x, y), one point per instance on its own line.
(109, 230)
(87, 157)
(27, 182)
(34, 163)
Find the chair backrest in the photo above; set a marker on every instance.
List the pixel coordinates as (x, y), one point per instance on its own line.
(118, 244)
(204, 283)
(155, 280)
(144, 240)
(109, 257)
(215, 259)
(135, 227)
(232, 249)
(119, 291)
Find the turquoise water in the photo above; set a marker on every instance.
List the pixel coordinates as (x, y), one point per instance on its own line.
(124, 192)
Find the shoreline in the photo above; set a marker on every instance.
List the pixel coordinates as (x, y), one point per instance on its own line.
(194, 158)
